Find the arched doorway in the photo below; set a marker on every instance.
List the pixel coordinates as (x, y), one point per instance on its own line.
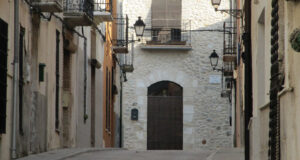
(165, 116)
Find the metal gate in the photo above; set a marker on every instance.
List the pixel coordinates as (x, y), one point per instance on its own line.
(165, 122)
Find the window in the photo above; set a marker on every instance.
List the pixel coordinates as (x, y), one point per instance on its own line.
(21, 78)
(166, 20)
(57, 82)
(3, 74)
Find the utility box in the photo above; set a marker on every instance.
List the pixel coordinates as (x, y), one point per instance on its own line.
(42, 72)
(134, 114)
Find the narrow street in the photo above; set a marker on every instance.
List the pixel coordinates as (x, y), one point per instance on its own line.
(149, 79)
(142, 155)
(120, 154)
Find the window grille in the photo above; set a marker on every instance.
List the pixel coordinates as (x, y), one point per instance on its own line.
(3, 74)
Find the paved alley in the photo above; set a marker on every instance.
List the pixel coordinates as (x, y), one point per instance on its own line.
(122, 154)
(142, 155)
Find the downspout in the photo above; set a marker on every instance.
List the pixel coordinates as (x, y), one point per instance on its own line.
(85, 116)
(121, 101)
(15, 79)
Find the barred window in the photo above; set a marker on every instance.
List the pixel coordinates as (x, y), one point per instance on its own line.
(3, 74)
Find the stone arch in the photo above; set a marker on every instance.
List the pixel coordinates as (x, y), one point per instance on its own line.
(168, 88)
(177, 77)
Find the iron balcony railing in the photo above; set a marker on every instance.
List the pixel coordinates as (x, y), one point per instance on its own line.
(126, 61)
(77, 6)
(103, 6)
(175, 35)
(230, 47)
(228, 67)
(121, 42)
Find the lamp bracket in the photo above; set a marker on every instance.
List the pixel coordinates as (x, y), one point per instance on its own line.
(237, 13)
(218, 69)
(132, 41)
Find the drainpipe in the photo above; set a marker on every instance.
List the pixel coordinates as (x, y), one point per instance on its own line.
(15, 79)
(121, 101)
(85, 117)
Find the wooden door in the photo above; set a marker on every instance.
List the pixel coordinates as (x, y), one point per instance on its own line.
(165, 122)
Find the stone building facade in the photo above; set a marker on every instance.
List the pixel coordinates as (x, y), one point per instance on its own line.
(59, 89)
(273, 126)
(206, 116)
(274, 54)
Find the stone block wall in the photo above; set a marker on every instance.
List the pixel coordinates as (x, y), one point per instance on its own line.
(206, 116)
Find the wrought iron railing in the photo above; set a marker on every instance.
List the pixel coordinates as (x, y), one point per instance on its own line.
(46, 1)
(74, 6)
(121, 23)
(175, 35)
(103, 6)
(228, 67)
(230, 47)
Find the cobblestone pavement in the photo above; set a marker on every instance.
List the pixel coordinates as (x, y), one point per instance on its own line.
(122, 154)
(228, 154)
(142, 155)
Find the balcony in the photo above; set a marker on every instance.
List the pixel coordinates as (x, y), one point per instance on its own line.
(102, 11)
(120, 44)
(230, 54)
(228, 68)
(230, 50)
(78, 13)
(126, 62)
(48, 5)
(174, 38)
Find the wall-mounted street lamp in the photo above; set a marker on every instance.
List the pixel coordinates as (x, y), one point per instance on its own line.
(121, 43)
(214, 59)
(139, 27)
(233, 12)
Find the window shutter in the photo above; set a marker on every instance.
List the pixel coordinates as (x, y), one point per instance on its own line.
(166, 14)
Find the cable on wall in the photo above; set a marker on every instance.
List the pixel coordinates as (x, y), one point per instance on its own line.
(274, 123)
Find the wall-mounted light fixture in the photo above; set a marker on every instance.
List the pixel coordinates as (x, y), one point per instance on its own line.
(237, 13)
(214, 59)
(139, 27)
